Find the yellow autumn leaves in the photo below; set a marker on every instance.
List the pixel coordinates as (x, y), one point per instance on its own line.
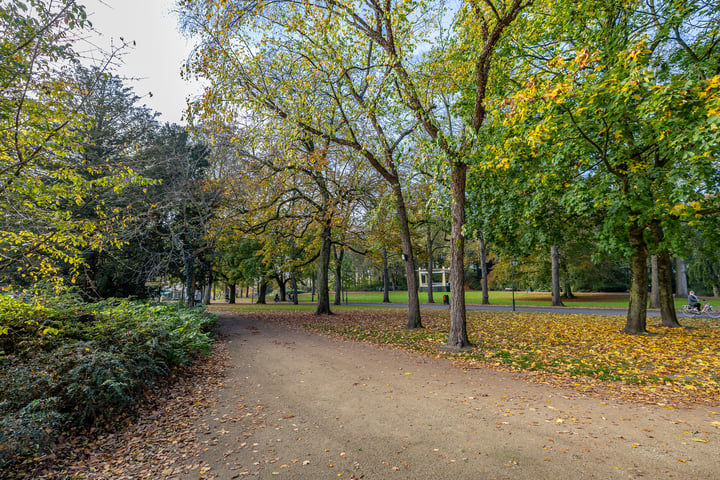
(670, 366)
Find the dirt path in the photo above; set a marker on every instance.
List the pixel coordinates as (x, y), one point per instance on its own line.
(301, 406)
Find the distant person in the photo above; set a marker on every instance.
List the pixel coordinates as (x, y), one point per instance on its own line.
(277, 298)
(198, 296)
(693, 301)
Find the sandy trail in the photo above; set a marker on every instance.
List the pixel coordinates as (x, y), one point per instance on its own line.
(301, 406)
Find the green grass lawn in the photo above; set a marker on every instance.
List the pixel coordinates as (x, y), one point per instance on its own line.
(598, 300)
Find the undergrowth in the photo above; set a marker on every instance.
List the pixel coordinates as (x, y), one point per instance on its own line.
(65, 363)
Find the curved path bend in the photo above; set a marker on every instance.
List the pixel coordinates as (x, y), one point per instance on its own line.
(300, 406)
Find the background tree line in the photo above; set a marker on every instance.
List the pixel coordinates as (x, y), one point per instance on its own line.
(340, 138)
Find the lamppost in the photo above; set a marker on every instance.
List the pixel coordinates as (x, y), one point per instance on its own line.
(513, 262)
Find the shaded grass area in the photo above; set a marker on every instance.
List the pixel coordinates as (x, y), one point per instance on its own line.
(670, 367)
(583, 299)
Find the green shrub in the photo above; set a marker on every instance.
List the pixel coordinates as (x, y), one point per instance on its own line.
(66, 362)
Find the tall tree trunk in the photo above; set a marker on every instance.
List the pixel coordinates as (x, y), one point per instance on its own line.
(338, 274)
(323, 292)
(667, 300)
(664, 270)
(233, 293)
(636, 321)
(207, 291)
(681, 278)
(429, 247)
(293, 282)
(555, 259)
(279, 278)
(189, 270)
(457, 338)
(483, 269)
(654, 283)
(386, 278)
(262, 293)
(414, 320)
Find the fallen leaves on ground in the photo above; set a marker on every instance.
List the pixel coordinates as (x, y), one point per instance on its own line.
(672, 366)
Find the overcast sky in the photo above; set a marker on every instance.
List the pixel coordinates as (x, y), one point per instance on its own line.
(159, 52)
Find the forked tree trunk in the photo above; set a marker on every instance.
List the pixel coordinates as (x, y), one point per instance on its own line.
(458, 338)
(636, 321)
(555, 259)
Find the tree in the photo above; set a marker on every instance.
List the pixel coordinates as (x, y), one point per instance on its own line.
(119, 133)
(296, 195)
(43, 177)
(306, 67)
(629, 102)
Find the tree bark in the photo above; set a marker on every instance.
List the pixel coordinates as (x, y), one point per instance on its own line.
(281, 286)
(338, 274)
(667, 301)
(262, 293)
(555, 258)
(654, 283)
(429, 247)
(636, 321)
(483, 269)
(681, 278)
(414, 320)
(664, 270)
(293, 281)
(457, 338)
(233, 293)
(323, 292)
(189, 267)
(386, 278)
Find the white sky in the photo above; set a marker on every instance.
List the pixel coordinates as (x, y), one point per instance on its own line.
(158, 56)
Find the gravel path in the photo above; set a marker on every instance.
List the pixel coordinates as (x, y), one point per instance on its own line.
(300, 406)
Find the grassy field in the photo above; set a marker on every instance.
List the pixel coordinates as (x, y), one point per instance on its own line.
(669, 367)
(597, 300)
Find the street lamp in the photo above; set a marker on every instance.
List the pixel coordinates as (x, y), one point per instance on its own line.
(513, 262)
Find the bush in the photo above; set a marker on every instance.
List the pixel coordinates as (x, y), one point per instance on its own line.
(64, 362)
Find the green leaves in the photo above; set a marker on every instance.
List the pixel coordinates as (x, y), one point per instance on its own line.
(66, 361)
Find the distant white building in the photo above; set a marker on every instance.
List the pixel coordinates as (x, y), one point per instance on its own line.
(441, 279)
